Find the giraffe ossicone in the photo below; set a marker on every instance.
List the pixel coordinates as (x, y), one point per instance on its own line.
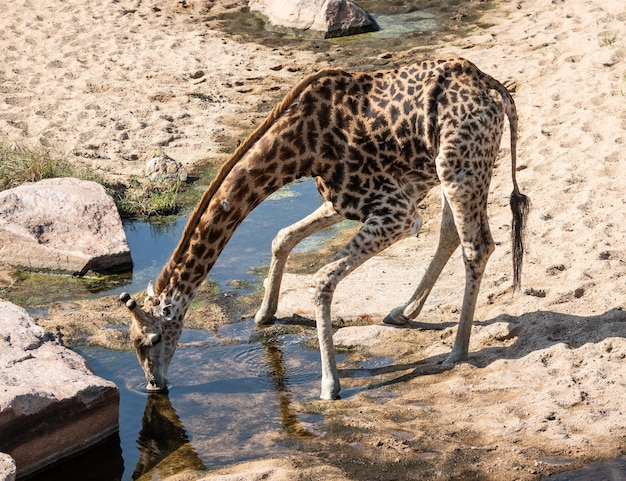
(377, 143)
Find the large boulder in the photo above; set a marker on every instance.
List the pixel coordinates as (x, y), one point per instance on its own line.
(62, 225)
(316, 18)
(52, 406)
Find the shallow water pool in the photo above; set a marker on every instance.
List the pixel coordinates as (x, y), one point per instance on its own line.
(230, 400)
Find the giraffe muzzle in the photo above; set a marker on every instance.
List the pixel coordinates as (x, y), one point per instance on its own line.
(153, 387)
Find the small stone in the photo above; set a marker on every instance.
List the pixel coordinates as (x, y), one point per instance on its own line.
(165, 169)
(7, 468)
(197, 74)
(535, 292)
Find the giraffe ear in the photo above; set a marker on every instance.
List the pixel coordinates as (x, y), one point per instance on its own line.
(150, 289)
(167, 313)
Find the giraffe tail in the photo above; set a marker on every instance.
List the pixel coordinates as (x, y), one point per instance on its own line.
(520, 203)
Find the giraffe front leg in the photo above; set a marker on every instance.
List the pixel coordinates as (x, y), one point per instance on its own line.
(330, 375)
(448, 242)
(284, 242)
(371, 238)
(326, 280)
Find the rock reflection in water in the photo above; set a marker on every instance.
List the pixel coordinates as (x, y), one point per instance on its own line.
(163, 443)
(101, 463)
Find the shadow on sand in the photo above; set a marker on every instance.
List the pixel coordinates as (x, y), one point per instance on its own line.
(532, 332)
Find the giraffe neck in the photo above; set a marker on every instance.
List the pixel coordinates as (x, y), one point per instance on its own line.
(250, 182)
(269, 159)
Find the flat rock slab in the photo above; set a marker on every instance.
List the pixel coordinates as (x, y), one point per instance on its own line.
(354, 337)
(51, 405)
(316, 18)
(62, 225)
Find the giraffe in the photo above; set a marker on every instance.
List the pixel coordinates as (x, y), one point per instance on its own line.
(377, 143)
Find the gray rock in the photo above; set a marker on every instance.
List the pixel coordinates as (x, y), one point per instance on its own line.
(7, 467)
(165, 169)
(315, 18)
(62, 225)
(51, 405)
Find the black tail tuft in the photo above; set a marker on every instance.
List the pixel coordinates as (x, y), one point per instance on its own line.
(520, 205)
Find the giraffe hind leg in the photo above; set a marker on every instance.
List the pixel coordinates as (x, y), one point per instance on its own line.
(448, 242)
(477, 249)
(467, 198)
(284, 242)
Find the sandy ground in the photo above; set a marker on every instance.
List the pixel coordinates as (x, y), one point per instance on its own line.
(109, 83)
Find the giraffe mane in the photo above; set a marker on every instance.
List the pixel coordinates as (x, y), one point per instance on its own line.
(226, 168)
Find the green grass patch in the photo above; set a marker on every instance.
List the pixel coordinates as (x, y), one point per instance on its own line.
(21, 163)
(148, 199)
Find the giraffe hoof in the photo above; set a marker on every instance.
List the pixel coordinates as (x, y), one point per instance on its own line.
(455, 358)
(396, 318)
(124, 297)
(332, 395)
(264, 320)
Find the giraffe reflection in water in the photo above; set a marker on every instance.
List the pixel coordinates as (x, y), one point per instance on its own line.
(164, 445)
(288, 417)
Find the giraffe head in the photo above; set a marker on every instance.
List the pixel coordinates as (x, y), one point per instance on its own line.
(154, 334)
